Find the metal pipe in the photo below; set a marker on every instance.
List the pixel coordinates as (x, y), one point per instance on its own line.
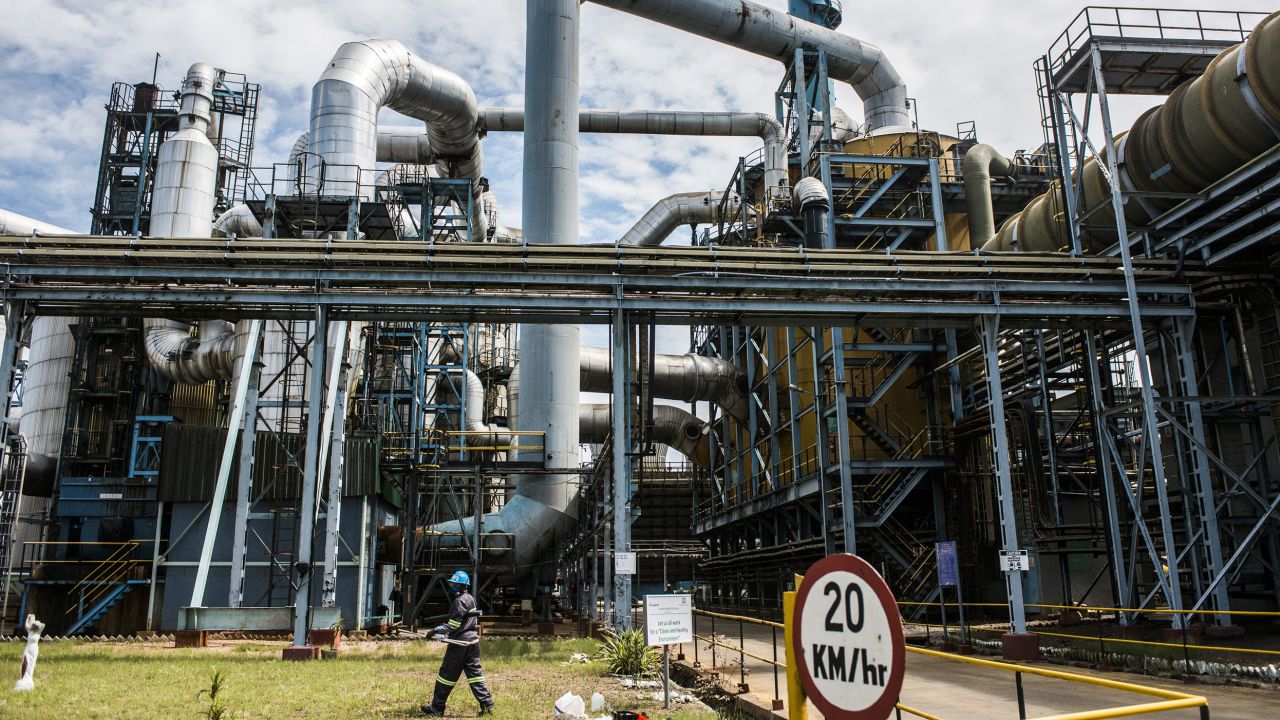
(671, 212)
(653, 122)
(672, 426)
(186, 180)
(240, 221)
(1209, 127)
(361, 79)
(689, 378)
(769, 33)
(980, 162)
(184, 200)
(543, 504)
(811, 199)
(11, 223)
(46, 381)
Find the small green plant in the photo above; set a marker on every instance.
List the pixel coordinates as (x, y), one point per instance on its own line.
(627, 653)
(216, 710)
(340, 625)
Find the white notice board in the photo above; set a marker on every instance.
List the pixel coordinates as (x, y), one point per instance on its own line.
(668, 619)
(624, 563)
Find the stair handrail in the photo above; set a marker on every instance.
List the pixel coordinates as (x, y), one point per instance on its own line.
(105, 575)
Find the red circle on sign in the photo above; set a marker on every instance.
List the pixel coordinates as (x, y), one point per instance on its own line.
(855, 565)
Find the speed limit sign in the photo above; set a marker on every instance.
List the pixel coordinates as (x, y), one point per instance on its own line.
(848, 640)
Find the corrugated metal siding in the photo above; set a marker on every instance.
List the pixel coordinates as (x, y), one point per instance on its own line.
(191, 453)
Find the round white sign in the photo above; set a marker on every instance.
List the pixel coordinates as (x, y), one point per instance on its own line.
(849, 640)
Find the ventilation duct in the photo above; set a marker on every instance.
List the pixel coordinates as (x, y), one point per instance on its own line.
(773, 34)
(1208, 128)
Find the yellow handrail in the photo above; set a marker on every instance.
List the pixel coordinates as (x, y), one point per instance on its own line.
(740, 618)
(1169, 699)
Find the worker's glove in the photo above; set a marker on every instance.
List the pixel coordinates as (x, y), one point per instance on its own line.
(439, 636)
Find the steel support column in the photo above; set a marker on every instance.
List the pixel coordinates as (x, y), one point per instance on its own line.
(311, 471)
(621, 466)
(244, 486)
(1004, 477)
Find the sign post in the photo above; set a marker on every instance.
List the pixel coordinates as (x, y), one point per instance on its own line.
(848, 640)
(668, 620)
(948, 576)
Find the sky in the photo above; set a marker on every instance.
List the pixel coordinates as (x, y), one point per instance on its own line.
(962, 61)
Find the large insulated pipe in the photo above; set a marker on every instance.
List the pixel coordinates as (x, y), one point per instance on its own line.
(182, 206)
(812, 201)
(672, 426)
(187, 164)
(361, 79)
(11, 223)
(690, 378)
(979, 164)
(541, 505)
(669, 213)
(48, 376)
(653, 122)
(769, 33)
(1208, 128)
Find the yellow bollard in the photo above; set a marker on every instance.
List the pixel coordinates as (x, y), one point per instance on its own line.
(796, 703)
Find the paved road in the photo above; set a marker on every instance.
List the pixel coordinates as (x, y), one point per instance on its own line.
(957, 691)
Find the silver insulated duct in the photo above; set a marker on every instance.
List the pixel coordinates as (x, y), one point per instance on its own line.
(361, 79)
(182, 206)
(541, 505)
(47, 379)
(690, 378)
(668, 122)
(773, 34)
(669, 213)
(187, 164)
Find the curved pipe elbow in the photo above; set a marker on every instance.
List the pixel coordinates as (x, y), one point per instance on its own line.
(183, 359)
(238, 220)
(671, 212)
(810, 192)
(980, 163)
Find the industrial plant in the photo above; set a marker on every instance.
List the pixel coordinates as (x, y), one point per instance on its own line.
(281, 393)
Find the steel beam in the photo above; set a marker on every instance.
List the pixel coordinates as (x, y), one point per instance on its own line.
(311, 471)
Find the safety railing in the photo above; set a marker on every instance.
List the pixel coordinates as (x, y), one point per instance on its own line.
(1151, 24)
(1102, 640)
(512, 441)
(1166, 700)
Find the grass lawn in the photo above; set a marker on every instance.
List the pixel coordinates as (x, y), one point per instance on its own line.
(369, 680)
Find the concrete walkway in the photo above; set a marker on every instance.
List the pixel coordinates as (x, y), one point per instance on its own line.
(958, 691)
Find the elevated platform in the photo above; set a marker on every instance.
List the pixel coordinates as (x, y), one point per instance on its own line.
(1144, 51)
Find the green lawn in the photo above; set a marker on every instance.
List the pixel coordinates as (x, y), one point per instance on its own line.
(369, 680)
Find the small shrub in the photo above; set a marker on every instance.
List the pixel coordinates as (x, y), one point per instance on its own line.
(216, 710)
(627, 653)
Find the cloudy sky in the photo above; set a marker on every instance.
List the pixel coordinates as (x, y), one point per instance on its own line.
(962, 60)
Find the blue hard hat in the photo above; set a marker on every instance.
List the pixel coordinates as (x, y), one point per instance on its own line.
(460, 578)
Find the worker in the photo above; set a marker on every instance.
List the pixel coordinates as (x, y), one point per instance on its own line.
(462, 649)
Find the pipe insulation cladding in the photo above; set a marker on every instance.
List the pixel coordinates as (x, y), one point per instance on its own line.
(980, 162)
(773, 34)
(668, 122)
(1208, 128)
(542, 504)
(364, 77)
(669, 213)
(48, 376)
(182, 206)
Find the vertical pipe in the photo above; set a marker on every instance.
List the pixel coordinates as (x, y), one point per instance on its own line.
(550, 215)
(311, 470)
